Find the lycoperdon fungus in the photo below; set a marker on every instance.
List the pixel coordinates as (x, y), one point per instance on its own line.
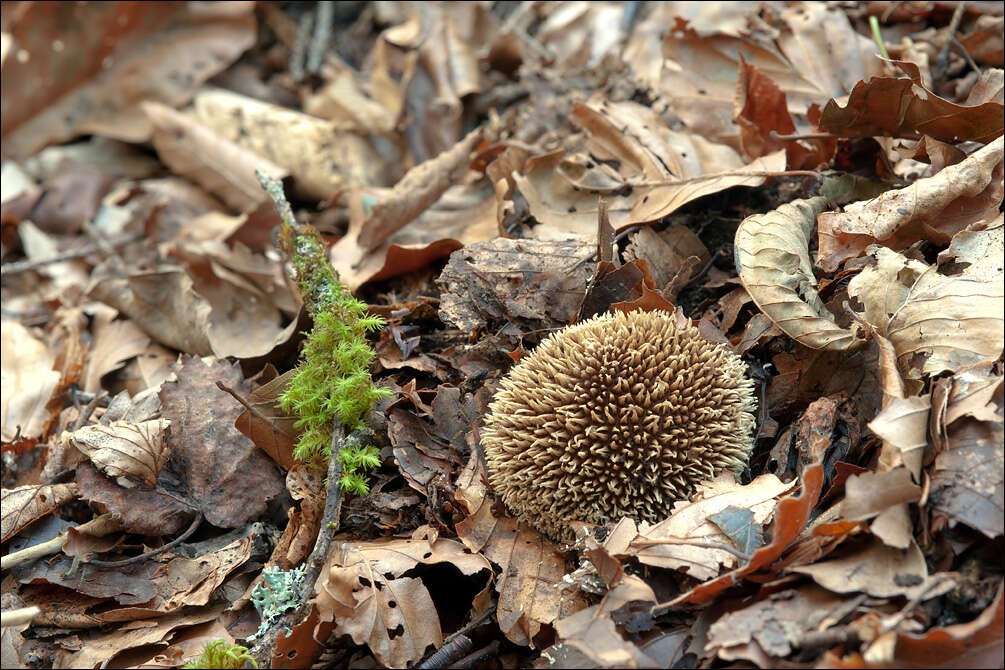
(619, 415)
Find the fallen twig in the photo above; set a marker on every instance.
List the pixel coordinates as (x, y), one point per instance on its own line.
(97, 527)
(26, 265)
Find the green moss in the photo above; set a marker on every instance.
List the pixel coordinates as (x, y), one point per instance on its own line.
(333, 379)
(220, 655)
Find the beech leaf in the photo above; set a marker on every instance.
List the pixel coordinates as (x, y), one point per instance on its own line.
(772, 257)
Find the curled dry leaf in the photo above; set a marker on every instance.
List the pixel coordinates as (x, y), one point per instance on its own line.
(676, 542)
(416, 192)
(891, 107)
(938, 318)
(464, 214)
(364, 592)
(28, 382)
(773, 260)
(967, 478)
(103, 647)
(666, 169)
(125, 450)
(25, 504)
(975, 644)
(791, 516)
(933, 209)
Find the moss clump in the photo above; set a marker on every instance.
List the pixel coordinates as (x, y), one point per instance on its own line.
(333, 378)
(221, 655)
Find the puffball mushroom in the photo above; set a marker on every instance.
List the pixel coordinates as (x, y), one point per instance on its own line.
(619, 415)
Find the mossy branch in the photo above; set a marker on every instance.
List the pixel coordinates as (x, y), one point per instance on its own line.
(332, 381)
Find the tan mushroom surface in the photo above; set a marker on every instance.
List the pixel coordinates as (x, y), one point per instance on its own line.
(619, 415)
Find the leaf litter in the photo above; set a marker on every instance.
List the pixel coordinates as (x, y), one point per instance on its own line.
(484, 174)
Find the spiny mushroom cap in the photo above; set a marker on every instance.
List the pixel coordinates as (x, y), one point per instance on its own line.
(619, 415)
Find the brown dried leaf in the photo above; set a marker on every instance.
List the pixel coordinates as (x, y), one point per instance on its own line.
(416, 192)
(226, 475)
(657, 544)
(791, 516)
(28, 381)
(823, 46)
(425, 450)
(103, 648)
(362, 590)
(772, 258)
(164, 304)
(218, 165)
(125, 450)
(877, 570)
(774, 624)
(967, 479)
(762, 113)
(975, 644)
(321, 159)
(905, 108)
(269, 427)
(937, 318)
(93, 83)
(516, 280)
(870, 493)
(115, 342)
(591, 631)
(464, 214)
(245, 320)
(933, 209)
(142, 511)
(26, 504)
(531, 588)
(665, 168)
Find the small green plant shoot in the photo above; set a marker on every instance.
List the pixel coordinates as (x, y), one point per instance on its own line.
(333, 378)
(221, 655)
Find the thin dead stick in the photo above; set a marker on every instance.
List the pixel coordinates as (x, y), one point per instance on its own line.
(274, 189)
(464, 630)
(170, 545)
(318, 46)
(477, 659)
(720, 175)
(333, 510)
(244, 403)
(447, 654)
(25, 266)
(19, 617)
(774, 134)
(97, 527)
(942, 59)
(266, 642)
